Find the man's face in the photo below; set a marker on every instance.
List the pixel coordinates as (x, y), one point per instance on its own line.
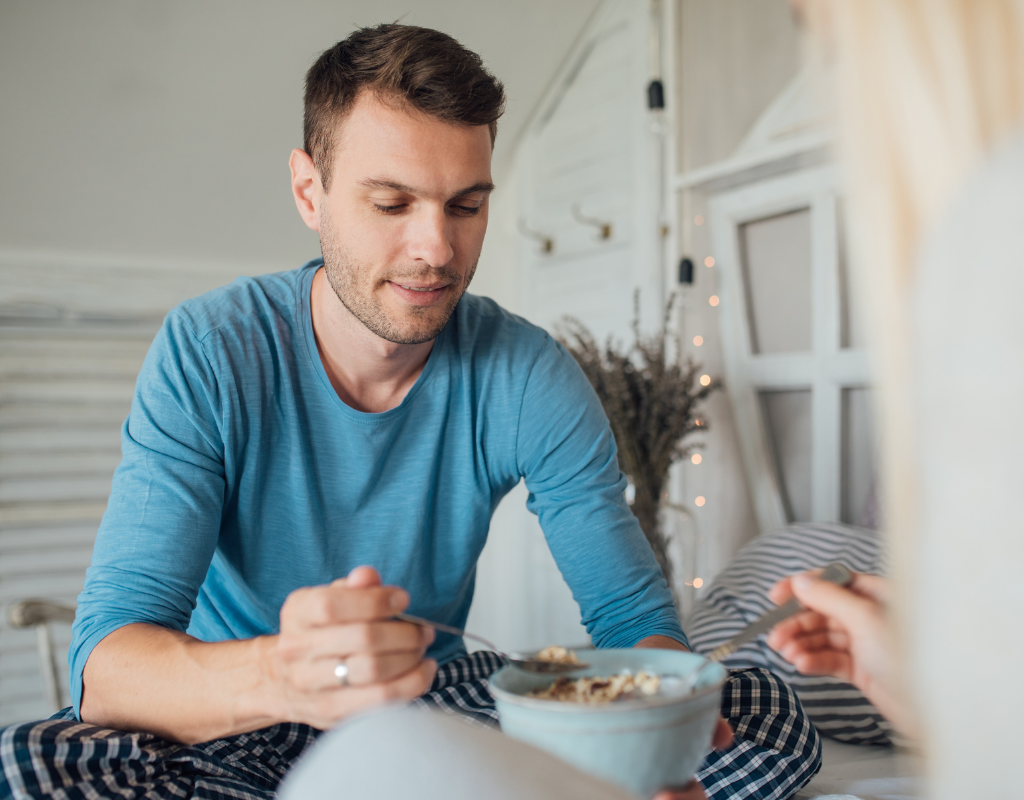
(404, 220)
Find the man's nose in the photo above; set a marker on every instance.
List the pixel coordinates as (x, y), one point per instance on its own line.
(430, 239)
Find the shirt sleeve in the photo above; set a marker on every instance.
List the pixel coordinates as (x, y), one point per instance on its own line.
(962, 560)
(158, 534)
(566, 452)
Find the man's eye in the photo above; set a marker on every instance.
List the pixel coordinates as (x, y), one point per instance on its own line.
(465, 210)
(389, 209)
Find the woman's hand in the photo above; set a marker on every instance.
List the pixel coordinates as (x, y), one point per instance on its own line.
(843, 633)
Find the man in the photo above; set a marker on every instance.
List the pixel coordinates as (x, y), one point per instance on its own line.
(311, 452)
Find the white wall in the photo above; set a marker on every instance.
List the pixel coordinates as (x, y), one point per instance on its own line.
(162, 130)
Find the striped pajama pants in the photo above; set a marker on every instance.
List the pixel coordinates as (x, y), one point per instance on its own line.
(776, 750)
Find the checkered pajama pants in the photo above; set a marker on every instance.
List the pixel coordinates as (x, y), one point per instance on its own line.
(775, 753)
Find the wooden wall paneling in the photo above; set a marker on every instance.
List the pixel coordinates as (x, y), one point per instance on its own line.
(73, 335)
(65, 389)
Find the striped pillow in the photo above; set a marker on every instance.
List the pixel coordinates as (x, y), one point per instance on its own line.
(739, 595)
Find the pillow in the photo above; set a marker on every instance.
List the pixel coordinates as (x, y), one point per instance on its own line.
(739, 595)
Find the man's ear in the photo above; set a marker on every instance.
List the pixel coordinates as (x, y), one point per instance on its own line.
(306, 188)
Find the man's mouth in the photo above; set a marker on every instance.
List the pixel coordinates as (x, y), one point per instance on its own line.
(420, 294)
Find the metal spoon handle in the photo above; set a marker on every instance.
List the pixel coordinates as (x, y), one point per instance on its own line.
(765, 623)
(448, 629)
(833, 573)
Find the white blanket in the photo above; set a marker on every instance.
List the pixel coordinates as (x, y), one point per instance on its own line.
(860, 772)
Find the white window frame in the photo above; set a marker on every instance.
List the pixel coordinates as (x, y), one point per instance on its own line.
(826, 370)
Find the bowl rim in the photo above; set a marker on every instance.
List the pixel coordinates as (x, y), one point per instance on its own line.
(617, 707)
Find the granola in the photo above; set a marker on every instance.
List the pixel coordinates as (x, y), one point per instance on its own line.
(597, 690)
(554, 654)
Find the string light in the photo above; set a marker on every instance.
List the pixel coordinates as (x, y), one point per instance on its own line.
(698, 220)
(698, 341)
(696, 458)
(713, 300)
(697, 583)
(709, 261)
(699, 501)
(705, 380)
(698, 422)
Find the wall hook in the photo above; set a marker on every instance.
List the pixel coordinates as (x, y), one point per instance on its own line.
(547, 244)
(605, 228)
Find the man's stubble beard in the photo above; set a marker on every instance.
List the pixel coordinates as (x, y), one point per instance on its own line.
(348, 280)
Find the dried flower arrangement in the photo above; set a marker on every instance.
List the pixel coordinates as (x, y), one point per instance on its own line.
(652, 401)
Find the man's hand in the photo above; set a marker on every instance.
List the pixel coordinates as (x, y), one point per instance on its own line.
(347, 621)
(842, 633)
(720, 740)
(692, 791)
(148, 678)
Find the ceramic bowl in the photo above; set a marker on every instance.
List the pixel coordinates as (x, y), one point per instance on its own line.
(642, 745)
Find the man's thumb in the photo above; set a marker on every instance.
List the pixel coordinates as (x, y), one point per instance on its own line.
(362, 578)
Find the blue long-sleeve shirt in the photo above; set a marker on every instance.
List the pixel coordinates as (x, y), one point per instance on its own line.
(244, 476)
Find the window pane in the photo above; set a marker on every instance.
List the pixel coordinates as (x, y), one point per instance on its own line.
(859, 498)
(776, 254)
(787, 417)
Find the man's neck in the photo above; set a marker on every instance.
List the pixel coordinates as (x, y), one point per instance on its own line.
(369, 373)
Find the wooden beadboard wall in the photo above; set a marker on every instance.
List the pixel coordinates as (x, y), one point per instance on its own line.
(73, 334)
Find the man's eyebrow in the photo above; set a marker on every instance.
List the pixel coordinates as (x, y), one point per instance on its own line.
(486, 188)
(382, 183)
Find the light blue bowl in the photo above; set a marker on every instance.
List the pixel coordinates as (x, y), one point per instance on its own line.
(642, 745)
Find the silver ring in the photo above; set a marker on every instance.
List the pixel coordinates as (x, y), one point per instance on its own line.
(341, 673)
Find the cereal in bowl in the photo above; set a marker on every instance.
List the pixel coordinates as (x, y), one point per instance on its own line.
(553, 654)
(597, 690)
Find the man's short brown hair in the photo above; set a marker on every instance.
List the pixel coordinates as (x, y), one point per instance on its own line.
(425, 68)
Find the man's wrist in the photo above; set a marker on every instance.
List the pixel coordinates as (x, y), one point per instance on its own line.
(263, 702)
(660, 642)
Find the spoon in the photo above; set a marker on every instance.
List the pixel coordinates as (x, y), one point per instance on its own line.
(520, 660)
(833, 573)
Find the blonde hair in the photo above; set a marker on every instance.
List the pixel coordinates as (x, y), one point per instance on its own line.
(925, 90)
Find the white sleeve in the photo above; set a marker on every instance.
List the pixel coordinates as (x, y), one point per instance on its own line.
(968, 340)
(412, 752)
